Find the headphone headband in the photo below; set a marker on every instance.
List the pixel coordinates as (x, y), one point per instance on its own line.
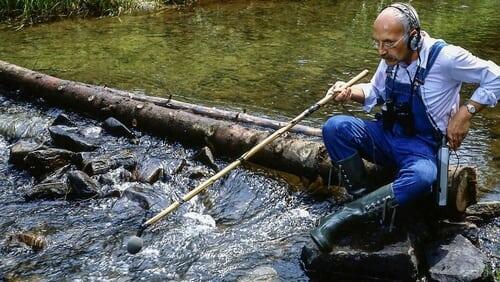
(407, 11)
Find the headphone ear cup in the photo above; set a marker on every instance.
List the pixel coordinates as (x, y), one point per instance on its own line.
(413, 43)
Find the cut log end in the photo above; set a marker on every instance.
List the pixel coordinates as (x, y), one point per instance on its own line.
(462, 188)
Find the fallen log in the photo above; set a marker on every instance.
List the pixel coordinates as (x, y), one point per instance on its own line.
(288, 153)
(220, 114)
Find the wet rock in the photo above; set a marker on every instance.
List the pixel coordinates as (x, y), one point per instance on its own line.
(42, 162)
(206, 157)
(47, 191)
(149, 171)
(93, 165)
(116, 128)
(179, 166)
(111, 193)
(145, 197)
(262, 274)
(81, 186)
(484, 210)
(198, 172)
(456, 259)
(91, 132)
(236, 200)
(393, 260)
(69, 138)
(446, 228)
(116, 176)
(20, 149)
(63, 119)
(36, 242)
(58, 175)
(238, 204)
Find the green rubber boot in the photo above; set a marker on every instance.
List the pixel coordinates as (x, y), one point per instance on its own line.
(367, 205)
(353, 174)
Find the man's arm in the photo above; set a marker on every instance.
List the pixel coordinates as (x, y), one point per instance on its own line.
(465, 67)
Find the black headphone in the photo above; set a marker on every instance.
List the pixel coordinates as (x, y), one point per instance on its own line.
(414, 41)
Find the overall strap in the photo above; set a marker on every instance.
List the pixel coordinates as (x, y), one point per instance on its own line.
(433, 54)
(431, 59)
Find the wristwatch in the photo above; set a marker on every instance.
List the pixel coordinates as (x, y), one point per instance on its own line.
(471, 108)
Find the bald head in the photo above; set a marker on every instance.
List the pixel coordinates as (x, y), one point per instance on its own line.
(404, 14)
(389, 20)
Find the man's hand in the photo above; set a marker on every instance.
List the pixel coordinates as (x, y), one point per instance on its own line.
(458, 127)
(341, 95)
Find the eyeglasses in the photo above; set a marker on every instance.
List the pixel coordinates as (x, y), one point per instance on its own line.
(387, 44)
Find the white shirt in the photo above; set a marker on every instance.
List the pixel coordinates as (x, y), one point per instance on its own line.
(440, 93)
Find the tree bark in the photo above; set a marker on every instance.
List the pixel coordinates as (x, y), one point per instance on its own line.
(220, 114)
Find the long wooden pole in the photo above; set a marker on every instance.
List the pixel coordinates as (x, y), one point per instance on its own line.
(250, 153)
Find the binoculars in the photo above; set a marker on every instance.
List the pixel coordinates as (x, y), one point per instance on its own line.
(400, 113)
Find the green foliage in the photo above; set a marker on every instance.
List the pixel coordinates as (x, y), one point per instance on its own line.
(181, 2)
(30, 11)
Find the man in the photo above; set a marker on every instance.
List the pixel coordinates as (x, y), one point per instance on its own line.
(417, 83)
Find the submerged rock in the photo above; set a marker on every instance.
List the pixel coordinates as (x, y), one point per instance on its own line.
(91, 132)
(36, 242)
(116, 128)
(81, 186)
(42, 162)
(149, 171)
(69, 138)
(198, 172)
(261, 274)
(48, 191)
(15, 126)
(180, 166)
(206, 157)
(456, 259)
(116, 176)
(92, 164)
(144, 196)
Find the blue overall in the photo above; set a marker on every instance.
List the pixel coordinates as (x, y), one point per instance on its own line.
(414, 157)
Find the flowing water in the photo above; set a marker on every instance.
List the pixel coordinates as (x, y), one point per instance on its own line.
(271, 58)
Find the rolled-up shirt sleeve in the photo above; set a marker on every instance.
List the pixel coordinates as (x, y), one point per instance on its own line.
(465, 67)
(375, 89)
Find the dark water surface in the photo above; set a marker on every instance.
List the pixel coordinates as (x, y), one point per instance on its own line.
(273, 58)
